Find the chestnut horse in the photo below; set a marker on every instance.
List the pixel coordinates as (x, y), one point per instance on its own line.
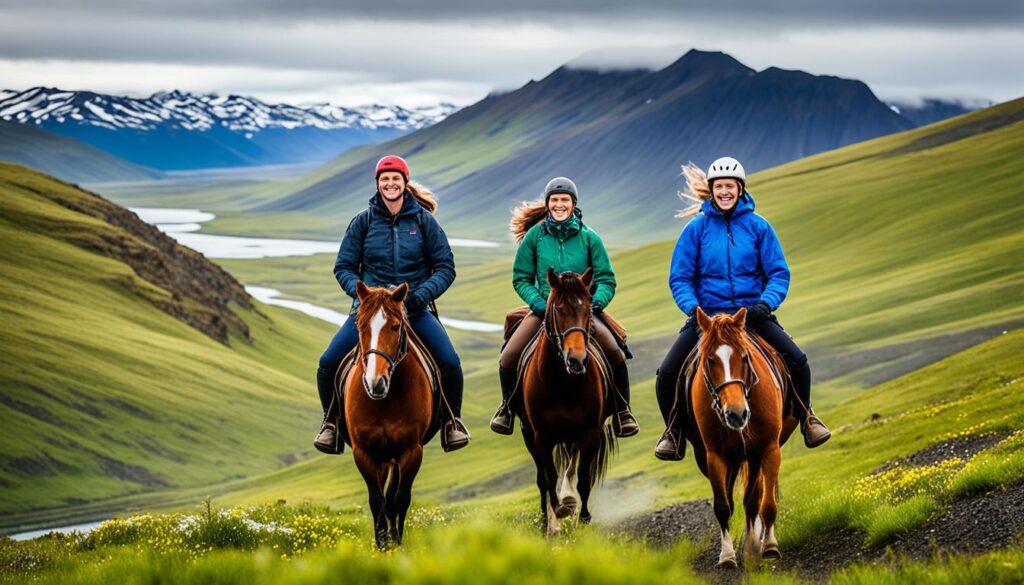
(388, 408)
(564, 402)
(738, 406)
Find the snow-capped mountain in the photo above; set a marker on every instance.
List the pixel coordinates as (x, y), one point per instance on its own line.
(178, 130)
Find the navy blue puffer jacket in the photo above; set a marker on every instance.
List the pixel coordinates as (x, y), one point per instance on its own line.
(723, 264)
(386, 250)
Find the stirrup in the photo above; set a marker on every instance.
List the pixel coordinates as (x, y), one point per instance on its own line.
(628, 428)
(452, 427)
(498, 421)
(665, 454)
(338, 446)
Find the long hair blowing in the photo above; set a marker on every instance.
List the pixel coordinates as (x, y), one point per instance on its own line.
(526, 215)
(697, 189)
(425, 197)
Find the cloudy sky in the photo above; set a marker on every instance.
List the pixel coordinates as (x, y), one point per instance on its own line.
(420, 52)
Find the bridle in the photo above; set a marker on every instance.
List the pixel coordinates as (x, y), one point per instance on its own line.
(392, 361)
(746, 384)
(557, 336)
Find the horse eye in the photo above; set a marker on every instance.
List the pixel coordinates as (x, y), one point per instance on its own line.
(396, 326)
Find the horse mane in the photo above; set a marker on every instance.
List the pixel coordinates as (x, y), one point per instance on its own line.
(697, 190)
(424, 196)
(572, 288)
(526, 215)
(369, 306)
(723, 333)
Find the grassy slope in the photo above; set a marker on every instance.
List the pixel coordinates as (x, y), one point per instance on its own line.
(106, 395)
(64, 157)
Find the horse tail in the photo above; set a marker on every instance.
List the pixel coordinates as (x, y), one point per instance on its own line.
(564, 453)
(606, 447)
(391, 483)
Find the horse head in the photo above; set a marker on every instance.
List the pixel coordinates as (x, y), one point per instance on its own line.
(567, 321)
(728, 372)
(383, 340)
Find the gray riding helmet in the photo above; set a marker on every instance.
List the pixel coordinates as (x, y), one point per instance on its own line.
(560, 185)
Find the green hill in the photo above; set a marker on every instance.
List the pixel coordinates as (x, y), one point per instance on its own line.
(63, 157)
(132, 365)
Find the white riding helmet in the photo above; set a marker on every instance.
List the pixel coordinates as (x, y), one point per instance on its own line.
(727, 168)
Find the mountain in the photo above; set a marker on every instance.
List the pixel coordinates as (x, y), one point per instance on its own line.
(177, 130)
(622, 135)
(931, 110)
(63, 157)
(132, 364)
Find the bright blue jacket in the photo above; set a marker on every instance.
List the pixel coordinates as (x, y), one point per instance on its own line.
(722, 265)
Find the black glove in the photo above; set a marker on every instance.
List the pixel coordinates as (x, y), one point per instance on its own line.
(760, 311)
(414, 304)
(597, 308)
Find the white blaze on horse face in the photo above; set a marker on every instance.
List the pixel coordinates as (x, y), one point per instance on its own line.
(724, 353)
(376, 324)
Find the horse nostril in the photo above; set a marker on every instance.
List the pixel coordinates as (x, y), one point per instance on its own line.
(381, 387)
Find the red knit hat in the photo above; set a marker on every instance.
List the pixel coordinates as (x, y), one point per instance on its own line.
(393, 163)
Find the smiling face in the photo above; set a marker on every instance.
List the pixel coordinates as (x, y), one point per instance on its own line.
(560, 206)
(726, 193)
(391, 185)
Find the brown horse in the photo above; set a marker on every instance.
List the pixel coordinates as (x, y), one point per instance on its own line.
(388, 408)
(742, 424)
(564, 403)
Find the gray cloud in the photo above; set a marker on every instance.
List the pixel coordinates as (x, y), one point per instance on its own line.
(954, 13)
(460, 49)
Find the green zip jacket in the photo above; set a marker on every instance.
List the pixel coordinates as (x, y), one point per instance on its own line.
(566, 246)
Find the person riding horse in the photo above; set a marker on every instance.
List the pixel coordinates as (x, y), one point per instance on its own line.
(395, 240)
(728, 257)
(553, 235)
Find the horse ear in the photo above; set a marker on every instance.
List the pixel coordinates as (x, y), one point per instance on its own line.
(739, 318)
(398, 294)
(553, 278)
(703, 321)
(588, 276)
(361, 290)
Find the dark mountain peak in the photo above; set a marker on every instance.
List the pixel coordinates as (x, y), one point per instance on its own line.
(697, 60)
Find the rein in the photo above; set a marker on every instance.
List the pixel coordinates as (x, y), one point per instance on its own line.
(746, 384)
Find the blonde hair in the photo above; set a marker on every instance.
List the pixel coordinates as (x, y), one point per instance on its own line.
(425, 197)
(697, 190)
(526, 215)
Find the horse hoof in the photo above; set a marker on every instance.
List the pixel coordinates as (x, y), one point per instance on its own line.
(566, 508)
(727, 564)
(585, 519)
(771, 553)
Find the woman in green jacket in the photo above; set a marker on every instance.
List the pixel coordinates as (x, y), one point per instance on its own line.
(551, 233)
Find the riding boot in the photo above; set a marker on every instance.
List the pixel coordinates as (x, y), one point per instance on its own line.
(456, 435)
(504, 421)
(328, 439)
(814, 431)
(672, 444)
(625, 423)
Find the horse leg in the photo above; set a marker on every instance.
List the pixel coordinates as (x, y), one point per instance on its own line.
(531, 445)
(409, 467)
(589, 447)
(752, 506)
(719, 473)
(391, 487)
(771, 461)
(551, 483)
(568, 497)
(372, 476)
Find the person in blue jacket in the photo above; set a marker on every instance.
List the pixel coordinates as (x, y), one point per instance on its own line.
(395, 240)
(729, 257)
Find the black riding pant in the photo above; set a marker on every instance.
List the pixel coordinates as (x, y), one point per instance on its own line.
(768, 329)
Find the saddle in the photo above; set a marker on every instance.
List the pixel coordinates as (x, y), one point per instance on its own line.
(688, 373)
(515, 317)
(417, 350)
